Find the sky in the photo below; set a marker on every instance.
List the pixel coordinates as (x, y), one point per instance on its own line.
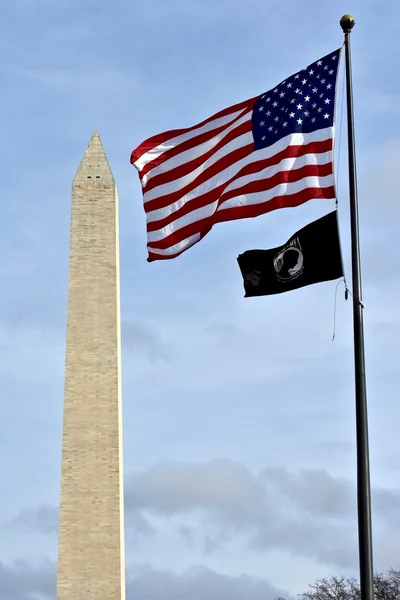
(238, 414)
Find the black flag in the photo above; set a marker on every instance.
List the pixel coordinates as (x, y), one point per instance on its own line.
(310, 256)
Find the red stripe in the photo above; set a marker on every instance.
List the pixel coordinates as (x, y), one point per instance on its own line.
(157, 140)
(261, 185)
(153, 256)
(223, 163)
(286, 201)
(184, 146)
(242, 212)
(227, 161)
(189, 166)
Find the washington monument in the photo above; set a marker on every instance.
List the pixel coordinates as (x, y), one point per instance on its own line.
(91, 531)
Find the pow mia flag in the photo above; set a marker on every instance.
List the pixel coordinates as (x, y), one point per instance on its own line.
(310, 256)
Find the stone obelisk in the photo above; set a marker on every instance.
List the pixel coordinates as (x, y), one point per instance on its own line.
(91, 530)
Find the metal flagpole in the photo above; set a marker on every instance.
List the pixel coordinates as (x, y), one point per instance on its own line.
(363, 472)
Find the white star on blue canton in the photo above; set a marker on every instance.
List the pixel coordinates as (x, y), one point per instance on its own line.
(290, 97)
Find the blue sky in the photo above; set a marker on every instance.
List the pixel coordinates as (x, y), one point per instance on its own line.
(239, 440)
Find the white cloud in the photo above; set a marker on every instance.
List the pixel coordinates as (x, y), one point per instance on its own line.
(25, 581)
(221, 504)
(310, 513)
(197, 584)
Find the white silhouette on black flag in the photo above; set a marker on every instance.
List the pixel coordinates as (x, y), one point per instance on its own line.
(311, 255)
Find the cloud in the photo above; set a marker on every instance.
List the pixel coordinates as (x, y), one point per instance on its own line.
(234, 493)
(309, 513)
(197, 584)
(226, 489)
(315, 492)
(136, 527)
(23, 581)
(140, 339)
(215, 504)
(225, 332)
(42, 519)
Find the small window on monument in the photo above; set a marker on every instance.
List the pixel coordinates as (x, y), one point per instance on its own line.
(89, 177)
(97, 176)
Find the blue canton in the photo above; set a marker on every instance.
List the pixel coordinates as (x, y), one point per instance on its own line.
(303, 103)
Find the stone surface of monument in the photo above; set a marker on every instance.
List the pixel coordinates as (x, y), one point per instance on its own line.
(91, 528)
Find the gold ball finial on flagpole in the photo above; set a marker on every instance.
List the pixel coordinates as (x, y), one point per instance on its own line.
(347, 23)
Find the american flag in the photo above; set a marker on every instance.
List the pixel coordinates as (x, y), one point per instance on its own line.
(271, 151)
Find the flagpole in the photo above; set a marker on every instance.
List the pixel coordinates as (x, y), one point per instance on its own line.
(363, 470)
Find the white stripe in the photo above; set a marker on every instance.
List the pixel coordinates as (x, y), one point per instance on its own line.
(232, 171)
(197, 151)
(294, 139)
(178, 184)
(175, 141)
(241, 200)
(286, 164)
(257, 198)
(284, 190)
(183, 245)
